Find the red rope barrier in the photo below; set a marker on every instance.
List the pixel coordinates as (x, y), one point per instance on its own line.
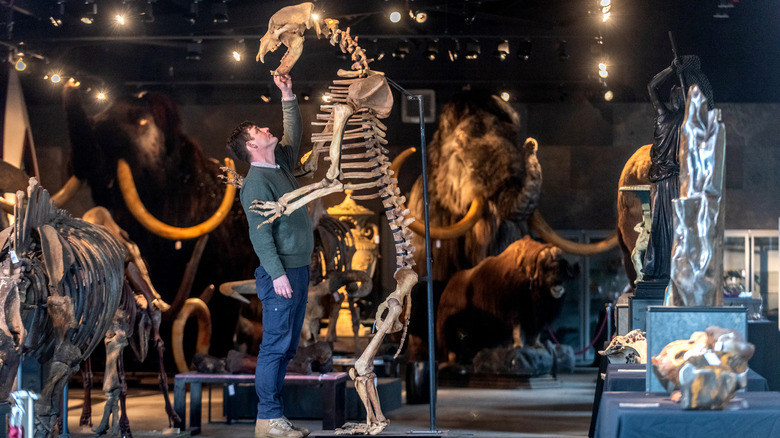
(592, 341)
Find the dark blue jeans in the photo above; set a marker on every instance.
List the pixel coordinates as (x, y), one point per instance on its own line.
(282, 322)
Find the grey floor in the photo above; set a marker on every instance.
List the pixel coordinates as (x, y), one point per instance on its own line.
(549, 408)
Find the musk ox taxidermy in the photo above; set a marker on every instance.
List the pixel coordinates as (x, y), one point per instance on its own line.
(505, 299)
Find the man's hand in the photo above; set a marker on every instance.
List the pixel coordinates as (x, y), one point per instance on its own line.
(284, 82)
(282, 287)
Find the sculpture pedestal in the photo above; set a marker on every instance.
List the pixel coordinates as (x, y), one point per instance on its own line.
(667, 324)
(646, 294)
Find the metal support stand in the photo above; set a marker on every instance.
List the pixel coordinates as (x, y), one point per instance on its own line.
(428, 260)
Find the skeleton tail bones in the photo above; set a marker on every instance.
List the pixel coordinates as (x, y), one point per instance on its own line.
(358, 100)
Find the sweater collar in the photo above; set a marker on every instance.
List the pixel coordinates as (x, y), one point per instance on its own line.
(264, 164)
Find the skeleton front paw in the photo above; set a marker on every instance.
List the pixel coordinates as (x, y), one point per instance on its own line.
(271, 210)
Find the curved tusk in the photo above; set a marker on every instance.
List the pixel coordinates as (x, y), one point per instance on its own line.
(546, 232)
(7, 206)
(473, 215)
(202, 313)
(67, 192)
(64, 195)
(458, 228)
(142, 215)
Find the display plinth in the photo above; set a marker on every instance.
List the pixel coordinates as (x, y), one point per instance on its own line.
(646, 294)
(667, 324)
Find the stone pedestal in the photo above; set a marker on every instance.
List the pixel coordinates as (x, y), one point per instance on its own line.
(667, 324)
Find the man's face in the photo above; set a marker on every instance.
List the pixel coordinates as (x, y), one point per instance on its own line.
(261, 138)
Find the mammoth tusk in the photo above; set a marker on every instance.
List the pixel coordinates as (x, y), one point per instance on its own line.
(473, 215)
(67, 192)
(546, 232)
(142, 215)
(64, 195)
(202, 313)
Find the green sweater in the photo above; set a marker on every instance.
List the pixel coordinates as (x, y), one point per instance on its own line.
(288, 241)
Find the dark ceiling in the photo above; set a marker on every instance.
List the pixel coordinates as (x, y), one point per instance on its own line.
(740, 54)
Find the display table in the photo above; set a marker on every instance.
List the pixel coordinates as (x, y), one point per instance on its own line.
(332, 388)
(639, 414)
(631, 377)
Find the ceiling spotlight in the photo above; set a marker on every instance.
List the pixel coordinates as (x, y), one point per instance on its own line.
(56, 78)
(395, 16)
(192, 13)
(432, 50)
(419, 16)
(265, 97)
(326, 97)
(608, 95)
(524, 50)
(100, 95)
(89, 12)
(219, 12)
(603, 73)
(563, 53)
(455, 51)
(502, 50)
(20, 65)
(120, 19)
(236, 55)
(402, 49)
(472, 50)
(306, 96)
(505, 96)
(194, 50)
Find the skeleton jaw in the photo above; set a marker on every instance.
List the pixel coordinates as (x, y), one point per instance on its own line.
(287, 27)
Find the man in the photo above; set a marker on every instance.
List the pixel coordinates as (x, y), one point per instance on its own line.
(284, 248)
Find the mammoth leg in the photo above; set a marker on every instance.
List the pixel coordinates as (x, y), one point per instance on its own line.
(86, 410)
(124, 422)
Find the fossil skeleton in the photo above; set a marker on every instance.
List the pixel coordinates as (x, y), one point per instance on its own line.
(66, 283)
(359, 99)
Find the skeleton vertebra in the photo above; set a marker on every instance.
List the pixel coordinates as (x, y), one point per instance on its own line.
(360, 99)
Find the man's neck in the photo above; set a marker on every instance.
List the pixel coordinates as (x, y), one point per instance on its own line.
(266, 156)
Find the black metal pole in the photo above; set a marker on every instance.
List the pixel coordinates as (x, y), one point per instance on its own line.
(428, 269)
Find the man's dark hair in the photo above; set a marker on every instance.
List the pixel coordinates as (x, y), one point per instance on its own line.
(236, 143)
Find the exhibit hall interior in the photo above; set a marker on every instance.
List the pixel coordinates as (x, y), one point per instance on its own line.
(398, 218)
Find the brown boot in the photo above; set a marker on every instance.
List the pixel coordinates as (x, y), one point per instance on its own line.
(300, 429)
(276, 427)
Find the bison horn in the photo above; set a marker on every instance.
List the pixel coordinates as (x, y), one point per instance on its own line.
(546, 232)
(473, 215)
(142, 215)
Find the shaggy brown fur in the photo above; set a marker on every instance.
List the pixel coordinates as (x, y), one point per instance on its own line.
(476, 151)
(177, 183)
(629, 207)
(481, 306)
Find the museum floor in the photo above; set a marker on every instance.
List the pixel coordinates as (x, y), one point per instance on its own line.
(540, 408)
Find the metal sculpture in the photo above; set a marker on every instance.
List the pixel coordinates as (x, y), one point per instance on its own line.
(697, 248)
(360, 99)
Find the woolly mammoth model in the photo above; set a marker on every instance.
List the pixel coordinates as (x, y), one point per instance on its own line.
(152, 177)
(484, 186)
(505, 299)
